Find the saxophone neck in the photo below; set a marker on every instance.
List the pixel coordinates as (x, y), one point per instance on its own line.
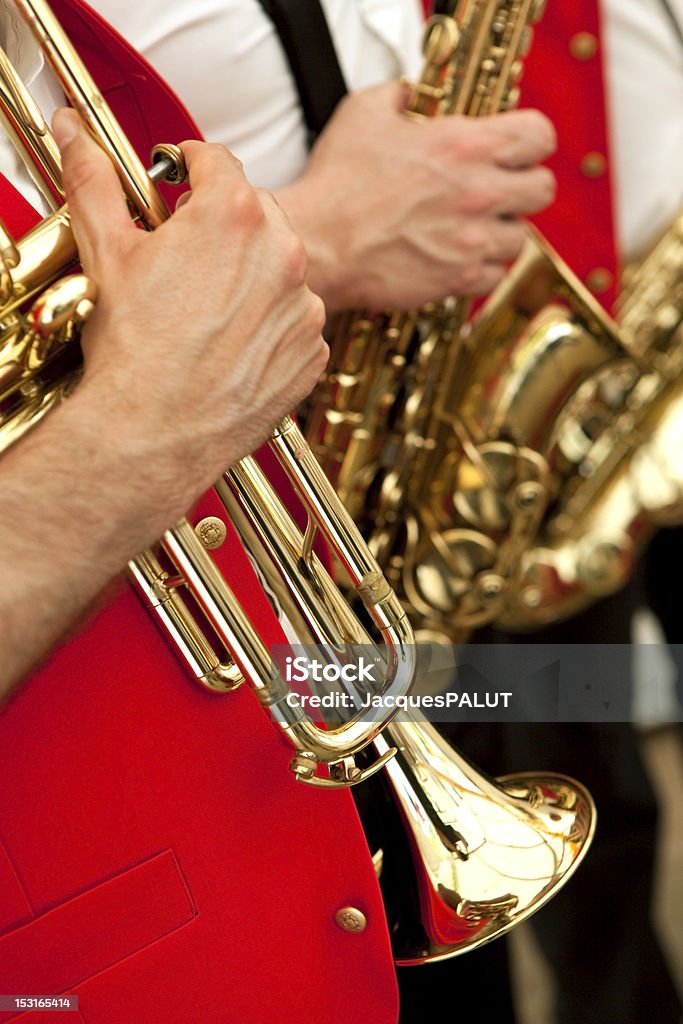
(474, 56)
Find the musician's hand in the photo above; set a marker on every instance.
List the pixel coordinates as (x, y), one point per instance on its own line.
(204, 334)
(396, 212)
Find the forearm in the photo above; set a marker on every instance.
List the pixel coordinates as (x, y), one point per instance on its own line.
(68, 524)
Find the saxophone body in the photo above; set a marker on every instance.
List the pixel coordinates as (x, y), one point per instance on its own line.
(438, 428)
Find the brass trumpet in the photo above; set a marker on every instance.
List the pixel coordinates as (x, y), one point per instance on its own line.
(468, 831)
(34, 348)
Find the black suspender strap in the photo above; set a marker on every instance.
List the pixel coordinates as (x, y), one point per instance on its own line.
(306, 40)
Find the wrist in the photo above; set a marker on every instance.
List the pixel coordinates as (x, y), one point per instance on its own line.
(76, 476)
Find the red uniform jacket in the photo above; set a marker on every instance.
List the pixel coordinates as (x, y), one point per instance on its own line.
(563, 77)
(156, 855)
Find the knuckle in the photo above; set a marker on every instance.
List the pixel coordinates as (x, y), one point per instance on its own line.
(548, 185)
(317, 313)
(230, 160)
(243, 207)
(517, 238)
(470, 139)
(294, 259)
(214, 161)
(320, 358)
(220, 156)
(315, 366)
(493, 277)
(540, 191)
(470, 278)
(480, 278)
(191, 149)
(478, 200)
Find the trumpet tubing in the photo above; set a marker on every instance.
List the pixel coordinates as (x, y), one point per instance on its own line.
(40, 362)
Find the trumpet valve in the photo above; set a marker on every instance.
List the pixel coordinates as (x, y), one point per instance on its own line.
(168, 164)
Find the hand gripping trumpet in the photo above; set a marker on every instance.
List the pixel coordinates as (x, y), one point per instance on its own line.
(487, 854)
(42, 315)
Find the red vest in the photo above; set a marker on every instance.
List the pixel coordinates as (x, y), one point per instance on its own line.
(563, 77)
(156, 855)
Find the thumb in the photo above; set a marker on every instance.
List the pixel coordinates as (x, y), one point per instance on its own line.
(99, 213)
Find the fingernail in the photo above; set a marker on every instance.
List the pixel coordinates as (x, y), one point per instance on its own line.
(65, 125)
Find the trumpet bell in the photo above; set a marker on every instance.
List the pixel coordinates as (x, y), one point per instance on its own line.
(486, 853)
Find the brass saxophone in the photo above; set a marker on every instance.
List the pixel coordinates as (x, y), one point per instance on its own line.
(434, 429)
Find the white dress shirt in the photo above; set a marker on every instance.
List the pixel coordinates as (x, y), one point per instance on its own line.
(644, 72)
(224, 59)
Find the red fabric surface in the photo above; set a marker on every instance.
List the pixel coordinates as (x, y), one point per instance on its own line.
(23, 217)
(47, 1017)
(156, 854)
(87, 934)
(580, 224)
(15, 908)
